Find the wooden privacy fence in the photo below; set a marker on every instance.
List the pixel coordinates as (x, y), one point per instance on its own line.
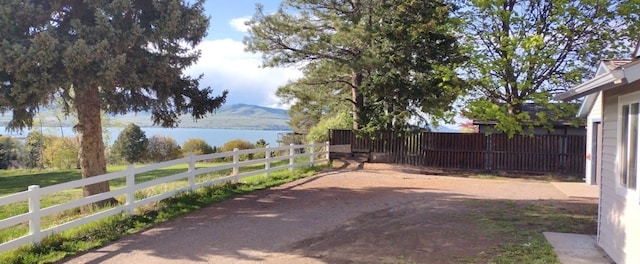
(130, 193)
(563, 154)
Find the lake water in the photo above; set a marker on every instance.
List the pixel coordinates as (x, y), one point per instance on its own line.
(214, 137)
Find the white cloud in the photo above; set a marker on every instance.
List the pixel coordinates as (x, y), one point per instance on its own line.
(239, 24)
(226, 65)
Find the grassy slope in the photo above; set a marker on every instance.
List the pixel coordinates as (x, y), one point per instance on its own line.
(100, 232)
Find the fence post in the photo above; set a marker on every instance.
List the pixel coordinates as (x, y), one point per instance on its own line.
(312, 151)
(327, 149)
(267, 161)
(564, 154)
(236, 159)
(291, 159)
(192, 172)
(34, 214)
(487, 157)
(131, 190)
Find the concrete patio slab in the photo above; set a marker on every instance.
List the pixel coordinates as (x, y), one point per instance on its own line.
(577, 249)
(578, 189)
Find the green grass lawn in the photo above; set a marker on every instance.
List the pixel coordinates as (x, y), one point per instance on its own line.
(12, 181)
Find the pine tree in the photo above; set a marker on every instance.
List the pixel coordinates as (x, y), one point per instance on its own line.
(395, 59)
(131, 144)
(115, 56)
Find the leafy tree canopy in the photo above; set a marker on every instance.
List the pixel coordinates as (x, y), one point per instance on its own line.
(526, 51)
(197, 146)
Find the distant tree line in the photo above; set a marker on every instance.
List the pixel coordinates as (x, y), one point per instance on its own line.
(40, 151)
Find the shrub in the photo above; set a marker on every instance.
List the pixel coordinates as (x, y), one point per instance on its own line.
(320, 132)
(9, 149)
(161, 148)
(197, 146)
(239, 144)
(32, 156)
(130, 144)
(62, 153)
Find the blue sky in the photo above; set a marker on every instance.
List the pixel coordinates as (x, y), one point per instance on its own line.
(226, 65)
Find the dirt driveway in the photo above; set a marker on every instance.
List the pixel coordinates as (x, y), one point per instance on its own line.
(364, 216)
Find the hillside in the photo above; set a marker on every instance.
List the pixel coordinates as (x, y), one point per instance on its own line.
(237, 116)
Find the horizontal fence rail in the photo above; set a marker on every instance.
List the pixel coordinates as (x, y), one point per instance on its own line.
(563, 154)
(312, 152)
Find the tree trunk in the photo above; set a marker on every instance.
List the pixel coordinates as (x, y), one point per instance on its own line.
(92, 160)
(357, 98)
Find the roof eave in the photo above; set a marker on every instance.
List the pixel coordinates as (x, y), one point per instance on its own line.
(603, 82)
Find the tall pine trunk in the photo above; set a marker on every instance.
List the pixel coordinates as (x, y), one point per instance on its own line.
(358, 99)
(92, 160)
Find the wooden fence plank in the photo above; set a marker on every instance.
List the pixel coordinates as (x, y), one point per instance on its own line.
(562, 154)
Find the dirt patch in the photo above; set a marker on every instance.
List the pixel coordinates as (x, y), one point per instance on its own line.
(386, 215)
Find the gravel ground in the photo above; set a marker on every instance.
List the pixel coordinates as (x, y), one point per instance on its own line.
(375, 215)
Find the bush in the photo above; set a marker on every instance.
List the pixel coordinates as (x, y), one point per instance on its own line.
(62, 153)
(261, 143)
(32, 156)
(239, 144)
(130, 144)
(197, 146)
(161, 148)
(9, 149)
(320, 132)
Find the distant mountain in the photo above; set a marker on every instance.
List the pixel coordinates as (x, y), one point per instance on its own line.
(237, 116)
(253, 110)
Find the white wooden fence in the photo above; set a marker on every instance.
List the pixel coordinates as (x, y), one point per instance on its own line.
(34, 194)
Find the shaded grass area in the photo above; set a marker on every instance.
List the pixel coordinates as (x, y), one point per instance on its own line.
(518, 228)
(98, 233)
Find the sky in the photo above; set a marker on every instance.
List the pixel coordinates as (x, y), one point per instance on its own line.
(225, 64)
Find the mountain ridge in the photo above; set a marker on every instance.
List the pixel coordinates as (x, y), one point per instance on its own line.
(235, 116)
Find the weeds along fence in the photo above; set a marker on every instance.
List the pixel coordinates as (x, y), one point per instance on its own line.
(297, 156)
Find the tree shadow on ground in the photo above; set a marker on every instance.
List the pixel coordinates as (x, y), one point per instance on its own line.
(359, 217)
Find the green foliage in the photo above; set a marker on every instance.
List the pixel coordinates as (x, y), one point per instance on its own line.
(110, 49)
(197, 146)
(33, 150)
(525, 51)
(161, 148)
(131, 144)
(62, 153)
(236, 143)
(313, 97)
(9, 150)
(98, 233)
(389, 61)
(102, 57)
(320, 132)
(239, 144)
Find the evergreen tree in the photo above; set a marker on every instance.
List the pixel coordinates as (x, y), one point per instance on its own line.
(394, 58)
(116, 56)
(131, 144)
(34, 148)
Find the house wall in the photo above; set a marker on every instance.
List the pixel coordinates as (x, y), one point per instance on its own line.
(594, 115)
(619, 228)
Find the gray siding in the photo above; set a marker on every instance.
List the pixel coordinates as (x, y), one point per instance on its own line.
(619, 227)
(594, 115)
